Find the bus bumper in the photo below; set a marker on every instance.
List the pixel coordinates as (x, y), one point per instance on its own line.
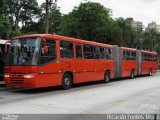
(21, 80)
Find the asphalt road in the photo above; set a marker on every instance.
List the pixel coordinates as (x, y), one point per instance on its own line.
(138, 95)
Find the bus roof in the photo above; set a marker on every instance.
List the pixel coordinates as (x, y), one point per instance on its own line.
(130, 49)
(149, 52)
(2, 42)
(58, 37)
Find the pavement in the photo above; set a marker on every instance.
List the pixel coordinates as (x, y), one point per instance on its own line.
(139, 95)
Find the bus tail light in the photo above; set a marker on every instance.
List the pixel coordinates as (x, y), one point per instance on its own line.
(28, 76)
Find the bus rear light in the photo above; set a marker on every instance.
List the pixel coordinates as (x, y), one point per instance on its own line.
(6, 76)
(28, 76)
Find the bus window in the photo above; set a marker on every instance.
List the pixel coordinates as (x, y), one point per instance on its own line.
(108, 53)
(129, 55)
(66, 49)
(133, 55)
(48, 51)
(97, 52)
(155, 58)
(78, 51)
(124, 55)
(88, 51)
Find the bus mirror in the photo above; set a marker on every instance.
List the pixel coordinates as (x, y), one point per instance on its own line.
(46, 49)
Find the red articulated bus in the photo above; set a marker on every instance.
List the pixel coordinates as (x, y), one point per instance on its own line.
(44, 60)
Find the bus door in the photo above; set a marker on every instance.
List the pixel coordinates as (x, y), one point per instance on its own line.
(67, 61)
(99, 63)
(49, 65)
(79, 64)
(88, 62)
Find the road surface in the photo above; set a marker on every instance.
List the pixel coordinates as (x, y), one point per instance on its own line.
(138, 95)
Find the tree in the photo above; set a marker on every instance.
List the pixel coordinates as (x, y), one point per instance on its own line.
(17, 11)
(125, 32)
(30, 12)
(1, 11)
(151, 39)
(5, 28)
(47, 17)
(48, 6)
(55, 20)
(88, 21)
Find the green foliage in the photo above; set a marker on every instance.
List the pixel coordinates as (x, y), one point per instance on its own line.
(88, 21)
(55, 20)
(125, 33)
(151, 40)
(24, 11)
(1, 11)
(1, 6)
(5, 30)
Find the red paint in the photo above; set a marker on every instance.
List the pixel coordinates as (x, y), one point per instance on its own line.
(83, 70)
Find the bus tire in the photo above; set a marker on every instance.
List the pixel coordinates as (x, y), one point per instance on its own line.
(106, 77)
(150, 72)
(132, 74)
(67, 81)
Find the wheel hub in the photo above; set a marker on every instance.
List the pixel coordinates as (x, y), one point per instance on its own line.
(67, 81)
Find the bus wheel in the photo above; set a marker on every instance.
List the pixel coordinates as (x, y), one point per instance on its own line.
(106, 77)
(150, 72)
(67, 81)
(132, 74)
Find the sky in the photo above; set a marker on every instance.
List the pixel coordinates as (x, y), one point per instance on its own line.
(145, 11)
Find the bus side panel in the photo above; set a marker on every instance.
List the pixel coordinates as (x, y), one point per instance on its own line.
(99, 69)
(101, 66)
(80, 74)
(127, 66)
(89, 70)
(46, 80)
(109, 65)
(145, 67)
(154, 67)
(50, 74)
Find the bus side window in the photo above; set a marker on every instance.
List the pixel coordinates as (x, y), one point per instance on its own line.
(109, 56)
(88, 51)
(78, 51)
(143, 57)
(102, 53)
(124, 55)
(48, 51)
(66, 49)
(128, 55)
(97, 52)
(156, 58)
